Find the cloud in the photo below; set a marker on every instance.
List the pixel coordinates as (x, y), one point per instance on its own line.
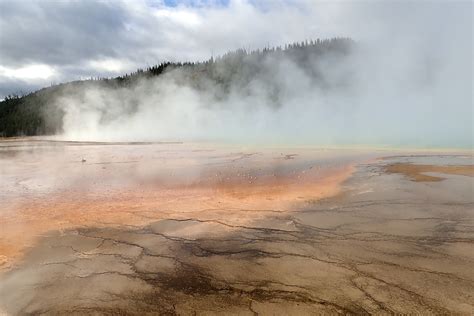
(28, 72)
(414, 69)
(83, 35)
(59, 32)
(110, 65)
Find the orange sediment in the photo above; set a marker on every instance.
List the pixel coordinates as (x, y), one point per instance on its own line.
(417, 172)
(230, 197)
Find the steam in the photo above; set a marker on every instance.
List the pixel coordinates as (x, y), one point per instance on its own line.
(407, 83)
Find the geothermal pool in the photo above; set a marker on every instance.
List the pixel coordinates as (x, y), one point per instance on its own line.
(183, 228)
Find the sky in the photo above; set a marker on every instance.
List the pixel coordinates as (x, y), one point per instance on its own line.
(52, 41)
(47, 42)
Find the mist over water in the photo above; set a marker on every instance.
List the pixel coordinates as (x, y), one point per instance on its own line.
(407, 81)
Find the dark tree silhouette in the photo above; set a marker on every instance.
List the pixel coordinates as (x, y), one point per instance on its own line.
(36, 113)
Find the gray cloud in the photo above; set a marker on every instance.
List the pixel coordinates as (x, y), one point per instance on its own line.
(60, 32)
(75, 37)
(414, 68)
(80, 39)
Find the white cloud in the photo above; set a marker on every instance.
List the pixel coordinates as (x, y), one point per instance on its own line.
(111, 65)
(180, 17)
(410, 45)
(28, 72)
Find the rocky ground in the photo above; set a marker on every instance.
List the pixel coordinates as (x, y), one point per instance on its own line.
(386, 244)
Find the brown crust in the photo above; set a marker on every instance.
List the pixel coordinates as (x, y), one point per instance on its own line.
(417, 172)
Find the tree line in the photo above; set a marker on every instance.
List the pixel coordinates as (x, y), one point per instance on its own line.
(36, 113)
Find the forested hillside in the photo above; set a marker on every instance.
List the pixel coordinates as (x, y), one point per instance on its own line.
(38, 113)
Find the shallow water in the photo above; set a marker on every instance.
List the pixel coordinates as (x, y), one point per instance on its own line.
(55, 185)
(42, 167)
(207, 228)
